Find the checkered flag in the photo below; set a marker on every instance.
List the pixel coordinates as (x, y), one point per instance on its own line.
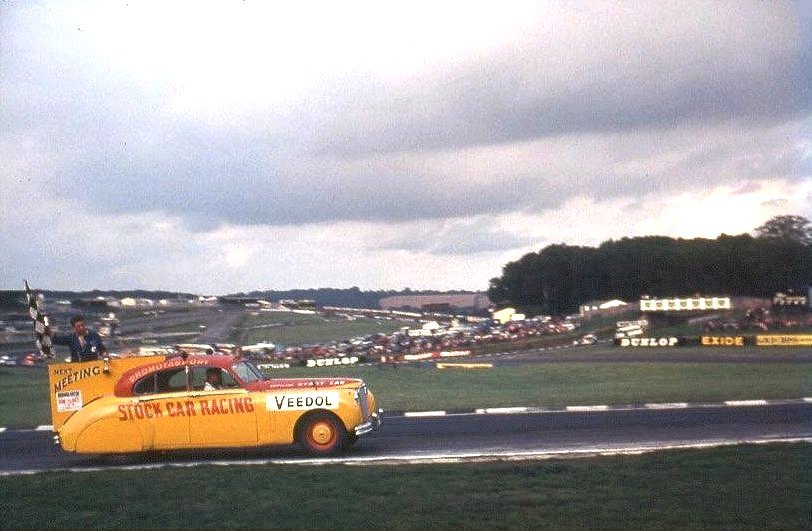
(40, 323)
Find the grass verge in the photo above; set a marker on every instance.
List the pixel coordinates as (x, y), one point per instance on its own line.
(747, 487)
(24, 394)
(561, 384)
(288, 328)
(24, 397)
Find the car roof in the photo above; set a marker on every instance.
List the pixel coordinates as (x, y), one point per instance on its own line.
(131, 377)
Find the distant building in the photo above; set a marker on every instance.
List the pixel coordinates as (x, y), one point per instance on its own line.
(463, 301)
(130, 302)
(442, 307)
(594, 306)
(505, 315)
(299, 304)
(235, 300)
(689, 304)
(790, 300)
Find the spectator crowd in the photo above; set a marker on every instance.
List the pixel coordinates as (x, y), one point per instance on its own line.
(396, 345)
(761, 319)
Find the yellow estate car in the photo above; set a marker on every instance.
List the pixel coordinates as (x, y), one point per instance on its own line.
(163, 403)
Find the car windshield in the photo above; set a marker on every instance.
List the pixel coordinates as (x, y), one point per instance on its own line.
(247, 372)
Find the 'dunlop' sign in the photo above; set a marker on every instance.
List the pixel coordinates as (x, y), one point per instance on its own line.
(648, 342)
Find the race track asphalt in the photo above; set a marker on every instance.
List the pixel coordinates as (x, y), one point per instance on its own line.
(467, 436)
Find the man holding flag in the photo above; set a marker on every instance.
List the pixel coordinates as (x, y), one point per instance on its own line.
(85, 344)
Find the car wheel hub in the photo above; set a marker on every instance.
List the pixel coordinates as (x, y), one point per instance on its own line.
(321, 433)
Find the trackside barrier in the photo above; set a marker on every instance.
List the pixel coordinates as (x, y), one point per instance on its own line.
(725, 340)
(313, 362)
(464, 365)
(760, 340)
(434, 355)
(784, 340)
(658, 342)
(332, 362)
(352, 360)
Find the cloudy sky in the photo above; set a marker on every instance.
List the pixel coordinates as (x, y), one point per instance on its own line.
(236, 145)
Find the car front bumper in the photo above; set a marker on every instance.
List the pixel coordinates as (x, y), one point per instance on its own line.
(371, 425)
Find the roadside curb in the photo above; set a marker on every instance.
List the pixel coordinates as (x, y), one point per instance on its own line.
(533, 410)
(529, 410)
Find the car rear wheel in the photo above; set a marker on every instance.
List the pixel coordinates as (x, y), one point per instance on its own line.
(322, 434)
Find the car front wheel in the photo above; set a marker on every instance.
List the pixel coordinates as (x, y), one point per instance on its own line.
(322, 434)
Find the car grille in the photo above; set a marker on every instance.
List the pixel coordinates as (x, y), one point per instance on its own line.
(363, 401)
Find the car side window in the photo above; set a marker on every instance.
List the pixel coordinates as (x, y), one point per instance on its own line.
(228, 381)
(199, 378)
(145, 386)
(166, 381)
(177, 381)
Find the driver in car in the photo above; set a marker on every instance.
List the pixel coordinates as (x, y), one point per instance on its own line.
(214, 380)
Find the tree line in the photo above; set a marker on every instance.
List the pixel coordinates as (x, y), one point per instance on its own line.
(558, 278)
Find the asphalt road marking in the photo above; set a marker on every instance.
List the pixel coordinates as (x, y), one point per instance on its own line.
(415, 459)
(502, 410)
(745, 402)
(517, 410)
(524, 410)
(464, 365)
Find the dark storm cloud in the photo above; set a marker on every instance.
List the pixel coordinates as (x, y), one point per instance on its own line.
(458, 237)
(490, 108)
(352, 151)
(247, 186)
(745, 62)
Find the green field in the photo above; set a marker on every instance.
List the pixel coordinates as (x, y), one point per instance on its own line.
(561, 384)
(24, 397)
(24, 400)
(746, 487)
(287, 328)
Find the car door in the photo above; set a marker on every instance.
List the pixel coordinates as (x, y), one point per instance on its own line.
(163, 408)
(223, 417)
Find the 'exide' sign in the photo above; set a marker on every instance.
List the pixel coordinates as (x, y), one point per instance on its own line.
(721, 341)
(648, 341)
